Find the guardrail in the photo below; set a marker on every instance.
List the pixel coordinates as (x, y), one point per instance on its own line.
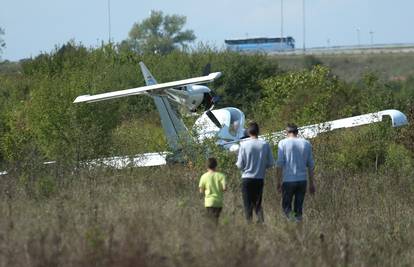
(351, 49)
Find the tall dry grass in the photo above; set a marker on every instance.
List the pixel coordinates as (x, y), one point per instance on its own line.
(155, 217)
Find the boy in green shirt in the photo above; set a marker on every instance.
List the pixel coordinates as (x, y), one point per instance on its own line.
(212, 185)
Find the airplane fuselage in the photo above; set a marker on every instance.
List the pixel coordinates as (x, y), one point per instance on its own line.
(189, 96)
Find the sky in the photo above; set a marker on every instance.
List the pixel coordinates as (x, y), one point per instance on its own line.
(32, 27)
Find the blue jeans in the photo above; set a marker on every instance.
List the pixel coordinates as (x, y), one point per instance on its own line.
(292, 190)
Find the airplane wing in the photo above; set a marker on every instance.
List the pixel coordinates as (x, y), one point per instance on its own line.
(139, 160)
(141, 90)
(310, 131)
(121, 162)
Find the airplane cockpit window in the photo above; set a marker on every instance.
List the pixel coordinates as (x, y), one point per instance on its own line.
(235, 120)
(234, 127)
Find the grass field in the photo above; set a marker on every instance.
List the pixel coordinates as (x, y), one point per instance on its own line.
(63, 215)
(351, 67)
(155, 217)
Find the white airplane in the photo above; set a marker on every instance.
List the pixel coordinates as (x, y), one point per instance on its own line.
(225, 124)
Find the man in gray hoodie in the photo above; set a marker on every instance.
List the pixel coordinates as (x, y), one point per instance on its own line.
(255, 156)
(295, 163)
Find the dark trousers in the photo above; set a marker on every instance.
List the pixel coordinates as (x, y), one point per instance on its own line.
(213, 213)
(292, 190)
(252, 190)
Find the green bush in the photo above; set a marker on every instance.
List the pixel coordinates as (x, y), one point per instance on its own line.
(39, 122)
(398, 161)
(69, 133)
(138, 136)
(305, 97)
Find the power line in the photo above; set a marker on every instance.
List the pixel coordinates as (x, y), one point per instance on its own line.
(304, 25)
(358, 30)
(372, 37)
(109, 21)
(281, 18)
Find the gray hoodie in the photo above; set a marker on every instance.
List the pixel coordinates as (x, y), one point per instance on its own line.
(255, 156)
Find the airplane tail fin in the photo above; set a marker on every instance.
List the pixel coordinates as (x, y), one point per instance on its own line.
(149, 79)
(173, 126)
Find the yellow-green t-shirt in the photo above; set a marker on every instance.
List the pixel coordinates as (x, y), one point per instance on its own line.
(213, 184)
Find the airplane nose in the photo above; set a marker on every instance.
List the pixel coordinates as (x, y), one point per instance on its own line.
(234, 148)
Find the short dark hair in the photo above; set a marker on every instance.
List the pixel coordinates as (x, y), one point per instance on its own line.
(292, 128)
(211, 163)
(253, 128)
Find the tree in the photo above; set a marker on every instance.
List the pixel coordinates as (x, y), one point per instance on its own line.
(306, 97)
(159, 34)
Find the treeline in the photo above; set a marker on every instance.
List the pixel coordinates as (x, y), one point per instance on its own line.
(39, 122)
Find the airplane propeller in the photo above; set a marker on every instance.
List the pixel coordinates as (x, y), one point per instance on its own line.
(207, 69)
(210, 100)
(213, 118)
